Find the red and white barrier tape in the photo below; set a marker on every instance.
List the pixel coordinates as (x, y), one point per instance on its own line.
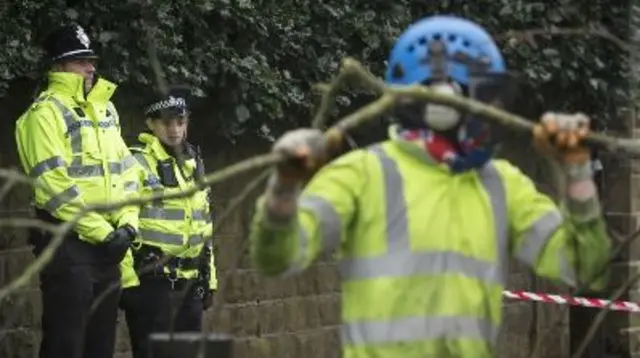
(574, 301)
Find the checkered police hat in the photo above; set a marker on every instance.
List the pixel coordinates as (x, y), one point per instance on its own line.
(174, 104)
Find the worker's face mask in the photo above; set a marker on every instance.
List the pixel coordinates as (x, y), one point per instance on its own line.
(439, 117)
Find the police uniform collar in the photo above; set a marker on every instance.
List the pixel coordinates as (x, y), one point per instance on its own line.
(155, 145)
(72, 84)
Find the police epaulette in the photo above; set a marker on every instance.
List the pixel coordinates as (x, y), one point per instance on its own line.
(38, 102)
(137, 146)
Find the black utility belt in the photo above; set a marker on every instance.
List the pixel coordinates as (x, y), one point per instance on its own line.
(146, 255)
(176, 284)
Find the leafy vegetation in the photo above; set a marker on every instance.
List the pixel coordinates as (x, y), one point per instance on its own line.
(253, 61)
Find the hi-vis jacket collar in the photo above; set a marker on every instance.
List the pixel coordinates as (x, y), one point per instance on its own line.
(154, 146)
(72, 84)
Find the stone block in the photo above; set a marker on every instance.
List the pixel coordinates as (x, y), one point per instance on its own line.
(277, 287)
(552, 343)
(294, 314)
(511, 345)
(549, 315)
(255, 347)
(247, 286)
(329, 309)
(24, 309)
(122, 337)
(123, 355)
(518, 318)
(328, 278)
(271, 317)
(19, 343)
(14, 262)
(243, 320)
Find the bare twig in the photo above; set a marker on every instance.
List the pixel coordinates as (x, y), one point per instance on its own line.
(28, 223)
(595, 30)
(333, 135)
(6, 188)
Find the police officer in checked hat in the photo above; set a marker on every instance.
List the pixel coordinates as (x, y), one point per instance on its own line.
(69, 142)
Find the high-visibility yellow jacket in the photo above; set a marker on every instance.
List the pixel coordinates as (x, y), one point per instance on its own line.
(423, 253)
(71, 145)
(179, 227)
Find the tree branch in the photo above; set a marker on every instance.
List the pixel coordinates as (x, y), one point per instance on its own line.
(595, 30)
(350, 69)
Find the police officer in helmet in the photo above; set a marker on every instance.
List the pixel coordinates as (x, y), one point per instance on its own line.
(69, 142)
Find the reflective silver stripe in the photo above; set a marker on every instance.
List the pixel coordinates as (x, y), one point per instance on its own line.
(401, 264)
(157, 213)
(96, 170)
(401, 261)
(418, 329)
(201, 215)
(171, 239)
(77, 169)
(195, 240)
(47, 165)
(494, 187)
(73, 125)
(329, 220)
(330, 226)
(143, 161)
(120, 167)
(152, 179)
(62, 198)
(131, 186)
(85, 171)
(161, 237)
(536, 238)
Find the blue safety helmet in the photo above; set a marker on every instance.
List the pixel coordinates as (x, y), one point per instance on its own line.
(446, 48)
(409, 61)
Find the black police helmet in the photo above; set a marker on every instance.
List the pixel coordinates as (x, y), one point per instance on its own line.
(68, 42)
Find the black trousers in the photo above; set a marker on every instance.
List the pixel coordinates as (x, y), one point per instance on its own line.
(69, 329)
(74, 324)
(154, 307)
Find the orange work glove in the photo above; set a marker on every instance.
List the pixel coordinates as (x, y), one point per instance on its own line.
(559, 136)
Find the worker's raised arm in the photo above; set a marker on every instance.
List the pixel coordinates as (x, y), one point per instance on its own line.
(573, 247)
(292, 226)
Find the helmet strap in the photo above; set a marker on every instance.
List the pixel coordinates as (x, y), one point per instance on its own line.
(438, 60)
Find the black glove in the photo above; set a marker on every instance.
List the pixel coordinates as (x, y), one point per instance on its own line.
(118, 242)
(207, 300)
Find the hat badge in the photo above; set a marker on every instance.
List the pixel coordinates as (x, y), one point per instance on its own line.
(82, 37)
